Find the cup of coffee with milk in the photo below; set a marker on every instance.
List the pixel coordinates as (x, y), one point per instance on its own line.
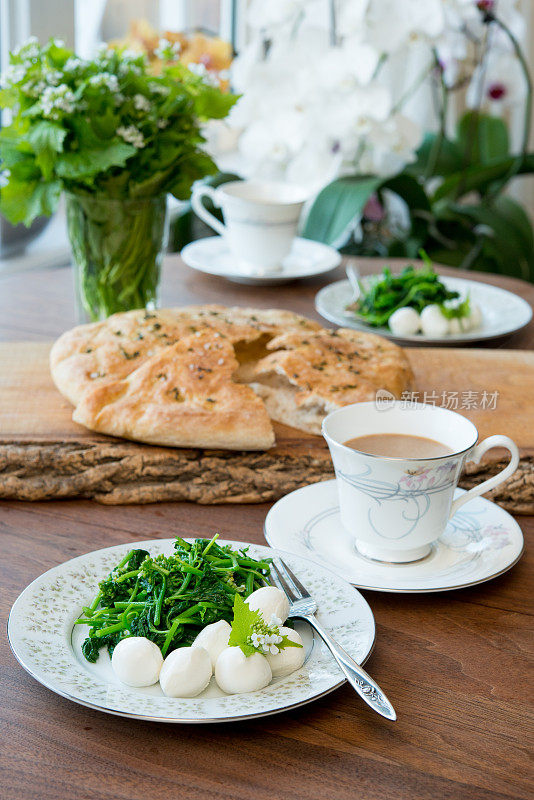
(260, 220)
(397, 468)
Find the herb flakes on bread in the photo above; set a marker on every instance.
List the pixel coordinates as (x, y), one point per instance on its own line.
(213, 377)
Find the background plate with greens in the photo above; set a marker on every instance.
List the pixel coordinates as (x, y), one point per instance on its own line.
(503, 312)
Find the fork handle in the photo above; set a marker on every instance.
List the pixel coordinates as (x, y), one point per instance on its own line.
(358, 678)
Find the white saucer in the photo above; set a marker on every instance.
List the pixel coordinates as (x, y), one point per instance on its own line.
(307, 258)
(480, 542)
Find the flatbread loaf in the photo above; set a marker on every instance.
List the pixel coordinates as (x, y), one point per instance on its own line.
(211, 376)
(184, 395)
(101, 352)
(310, 374)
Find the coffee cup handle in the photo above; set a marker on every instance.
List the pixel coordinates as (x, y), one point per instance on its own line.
(200, 209)
(476, 454)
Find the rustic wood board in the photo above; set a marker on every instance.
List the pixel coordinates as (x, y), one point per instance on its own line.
(44, 455)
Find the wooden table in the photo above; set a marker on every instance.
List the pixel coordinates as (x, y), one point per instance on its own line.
(455, 664)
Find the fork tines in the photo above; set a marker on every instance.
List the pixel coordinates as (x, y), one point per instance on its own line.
(283, 572)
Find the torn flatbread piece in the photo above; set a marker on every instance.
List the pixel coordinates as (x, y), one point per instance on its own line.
(184, 396)
(310, 374)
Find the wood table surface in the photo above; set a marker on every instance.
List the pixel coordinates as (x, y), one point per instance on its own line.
(456, 665)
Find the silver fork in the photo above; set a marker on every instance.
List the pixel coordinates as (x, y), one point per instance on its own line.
(303, 606)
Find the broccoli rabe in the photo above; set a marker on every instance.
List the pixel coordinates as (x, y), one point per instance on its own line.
(169, 599)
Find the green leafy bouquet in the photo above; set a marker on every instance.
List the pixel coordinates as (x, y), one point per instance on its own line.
(105, 129)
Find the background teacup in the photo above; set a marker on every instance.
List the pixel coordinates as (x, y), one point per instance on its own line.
(396, 507)
(260, 220)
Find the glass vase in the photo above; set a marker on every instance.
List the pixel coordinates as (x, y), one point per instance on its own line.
(117, 246)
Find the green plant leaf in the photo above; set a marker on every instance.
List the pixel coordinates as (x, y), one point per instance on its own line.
(512, 241)
(432, 161)
(242, 625)
(46, 139)
(23, 201)
(480, 177)
(212, 103)
(337, 205)
(482, 138)
(89, 163)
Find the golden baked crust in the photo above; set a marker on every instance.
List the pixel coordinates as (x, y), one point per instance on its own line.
(105, 351)
(178, 376)
(313, 373)
(182, 396)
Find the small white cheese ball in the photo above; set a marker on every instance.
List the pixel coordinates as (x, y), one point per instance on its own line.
(269, 600)
(137, 661)
(459, 325)
(404, 322)
(185, 672)
(237, 673)
(214, 639)
(475, 316)
(433, 323)
(290, 658)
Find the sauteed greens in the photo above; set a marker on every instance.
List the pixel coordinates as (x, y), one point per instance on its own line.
(169, 599)
(413, 287)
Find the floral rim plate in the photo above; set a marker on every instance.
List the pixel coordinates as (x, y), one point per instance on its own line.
(307, 258)
(503, 312)
(47, 644)
(481, 542)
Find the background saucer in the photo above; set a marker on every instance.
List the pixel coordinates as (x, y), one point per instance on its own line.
(307, 258)
(480, 542)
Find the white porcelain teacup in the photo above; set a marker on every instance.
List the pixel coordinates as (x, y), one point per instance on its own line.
(260, 220)
(396, 507)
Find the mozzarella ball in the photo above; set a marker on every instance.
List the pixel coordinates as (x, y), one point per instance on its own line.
(290, 658)
(459, 325)
(185, 672)
(404, 322)
(137, 661)
(237, 673)
(269, 600)
(475, 316)
(433, 323)
(214, 639)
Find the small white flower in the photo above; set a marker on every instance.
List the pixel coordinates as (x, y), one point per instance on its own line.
(158, 88)
(106, 79)
(162, 123)
(57, 98)
(128, 68)
(270, 648)
(275, 621)
(34, 88)
(132, 135)
(29, 49)
(72, 64)
(167, 51)
(141, 102)
(103, 52)
(202, 72)
(53, 77)
(13, 74)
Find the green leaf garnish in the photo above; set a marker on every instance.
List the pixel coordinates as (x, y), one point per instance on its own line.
(248, 625)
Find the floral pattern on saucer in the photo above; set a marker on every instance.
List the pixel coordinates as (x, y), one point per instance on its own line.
(480, 542)
(47, 644)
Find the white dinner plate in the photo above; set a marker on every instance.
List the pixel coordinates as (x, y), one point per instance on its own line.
(481, 541)
(47, 644)
(306, 259)
(503, 312)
